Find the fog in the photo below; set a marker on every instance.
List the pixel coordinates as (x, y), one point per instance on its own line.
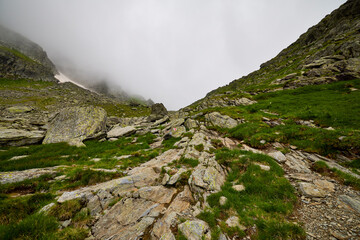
(172, 51)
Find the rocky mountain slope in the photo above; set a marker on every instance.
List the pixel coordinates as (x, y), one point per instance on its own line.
(273, 155)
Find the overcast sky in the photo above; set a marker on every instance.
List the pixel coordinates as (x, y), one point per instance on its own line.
(172, 51)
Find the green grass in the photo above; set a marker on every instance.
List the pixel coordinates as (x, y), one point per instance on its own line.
(12, 210)
(328, 104)
(18, 54)
(267, 201)
(49, 155)
(66, 210)
(34, 227)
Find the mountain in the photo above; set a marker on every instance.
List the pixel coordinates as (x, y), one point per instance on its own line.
(272, 155)
(327, 52)
(21, 58)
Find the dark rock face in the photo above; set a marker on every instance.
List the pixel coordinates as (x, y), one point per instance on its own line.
(158, 111)
(21, 58)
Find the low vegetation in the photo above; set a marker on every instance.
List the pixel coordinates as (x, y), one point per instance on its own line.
(267, 201)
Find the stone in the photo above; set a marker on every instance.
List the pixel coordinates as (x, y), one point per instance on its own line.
(17, 137)
(165, 179)
(207, 177)
(75, 124)
(222, 200)
(118, 131)
(233, 221)
(179, 205)
(223, 121)
(167, 236)
(176, 176)
(239, 187)
(177, 131)
(157, 194)
(18, 157)
(46, 208)
(66, 223)
(194, 229)
(263, 167)
(18, 176)
(191, 123)
(19, 109)
(158, 111)
(127, 219)
(278, 156)
(351, 202)
(325, 185)
(311, 190)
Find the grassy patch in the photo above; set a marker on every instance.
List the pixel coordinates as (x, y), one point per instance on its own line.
(66, 210)
(169, 143)
(267, 201)
(326, 104)
(13, 210)
(49, 155)
(36, 226)
(190, 162)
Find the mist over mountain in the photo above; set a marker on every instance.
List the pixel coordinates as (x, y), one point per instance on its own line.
(172, 52)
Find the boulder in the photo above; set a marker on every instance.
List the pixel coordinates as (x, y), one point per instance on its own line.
(207, 176)
(17, 137)
(19, 109)
(75, 124)
(223, 121)
(278, 156)
(177, 131)
(158, 111)
(128, 219)
(311, 190)
(118, 131)
(194, 230)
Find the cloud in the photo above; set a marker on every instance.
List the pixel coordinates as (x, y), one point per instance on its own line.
(173, 51)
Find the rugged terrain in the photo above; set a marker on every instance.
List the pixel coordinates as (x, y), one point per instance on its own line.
(273, 155)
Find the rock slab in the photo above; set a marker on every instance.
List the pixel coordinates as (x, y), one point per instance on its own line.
(75, 124)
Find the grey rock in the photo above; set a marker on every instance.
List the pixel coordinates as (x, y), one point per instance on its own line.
(176, 176)
(239, 187)
(311, 190)
(17, 137)
(191, 123)
(127, 219)
(75, 124)
(352, 202)
(118, 131)
(278, 156)
(19, 109)
(177, 131)
(194, 230)
(233, 221)
(223, 121)
(222, 200)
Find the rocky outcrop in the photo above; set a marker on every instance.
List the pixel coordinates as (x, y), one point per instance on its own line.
(17, 137)
(73, 125)
(121, 131)
(21, 58)
(158, 111)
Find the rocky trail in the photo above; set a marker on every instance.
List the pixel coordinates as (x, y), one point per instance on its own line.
(157, 199)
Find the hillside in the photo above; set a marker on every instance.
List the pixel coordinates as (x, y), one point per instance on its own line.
(272, 155)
